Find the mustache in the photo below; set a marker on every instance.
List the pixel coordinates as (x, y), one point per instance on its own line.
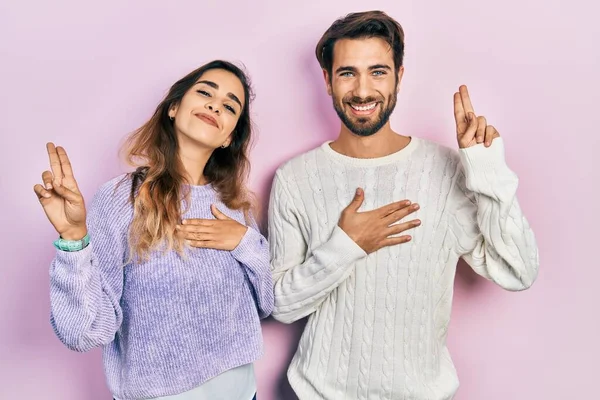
(360, 100)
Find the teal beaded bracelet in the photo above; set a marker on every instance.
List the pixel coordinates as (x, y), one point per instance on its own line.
(72, 245)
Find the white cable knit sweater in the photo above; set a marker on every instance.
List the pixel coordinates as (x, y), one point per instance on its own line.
(377, 324)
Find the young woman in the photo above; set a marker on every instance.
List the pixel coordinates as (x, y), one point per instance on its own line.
(168, 272)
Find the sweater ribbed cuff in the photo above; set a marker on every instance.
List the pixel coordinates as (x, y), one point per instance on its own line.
(486, 171)
(73, 259)
(251, 243)
(344, 247)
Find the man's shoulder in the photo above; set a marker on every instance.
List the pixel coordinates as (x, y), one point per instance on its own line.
(298, 164)
(429, 147)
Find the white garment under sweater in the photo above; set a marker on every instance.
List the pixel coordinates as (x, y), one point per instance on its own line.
(377, 324)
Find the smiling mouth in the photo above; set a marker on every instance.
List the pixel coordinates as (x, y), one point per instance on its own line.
(364, 109)
(208, 119)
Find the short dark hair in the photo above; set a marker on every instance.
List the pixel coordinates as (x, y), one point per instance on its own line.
(367, 24)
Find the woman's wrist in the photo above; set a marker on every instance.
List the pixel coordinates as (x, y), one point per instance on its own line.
(75, 234)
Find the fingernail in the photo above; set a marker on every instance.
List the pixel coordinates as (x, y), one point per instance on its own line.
(178, 227)
(46, 195)
(407, 203)
(415, 207)
(49, 186)
(417, 223)
(184, 222)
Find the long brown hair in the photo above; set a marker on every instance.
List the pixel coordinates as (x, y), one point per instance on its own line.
(367, 24)
(157, 185)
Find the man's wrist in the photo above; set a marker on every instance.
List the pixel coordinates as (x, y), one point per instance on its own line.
(352, 237)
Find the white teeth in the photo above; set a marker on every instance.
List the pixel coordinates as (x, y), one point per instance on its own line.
(364, 108)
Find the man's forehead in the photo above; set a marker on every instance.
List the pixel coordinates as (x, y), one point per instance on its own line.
(362, 52)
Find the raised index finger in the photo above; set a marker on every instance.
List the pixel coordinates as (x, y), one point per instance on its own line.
(459, 112)
(65, 164)
(466, 100)
(54, 161)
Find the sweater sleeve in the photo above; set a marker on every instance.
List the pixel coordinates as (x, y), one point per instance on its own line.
(253, 254)
(303, 280)
(492, 234)
(86, 286)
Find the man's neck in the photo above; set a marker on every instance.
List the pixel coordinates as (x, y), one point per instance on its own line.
(381, 144)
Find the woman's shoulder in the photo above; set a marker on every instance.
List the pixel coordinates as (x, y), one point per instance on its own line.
(114, 194)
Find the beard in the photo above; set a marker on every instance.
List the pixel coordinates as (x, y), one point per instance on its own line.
(364, 126)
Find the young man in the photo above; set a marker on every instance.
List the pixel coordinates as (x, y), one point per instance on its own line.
(377, 287)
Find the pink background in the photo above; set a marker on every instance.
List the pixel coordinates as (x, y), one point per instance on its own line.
(85, 74)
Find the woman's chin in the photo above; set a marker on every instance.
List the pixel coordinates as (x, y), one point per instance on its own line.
(197, 141)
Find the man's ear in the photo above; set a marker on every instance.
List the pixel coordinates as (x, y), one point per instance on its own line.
(400, 74)
(327, 81)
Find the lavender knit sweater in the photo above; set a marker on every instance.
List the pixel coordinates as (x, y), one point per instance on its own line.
(169, 324)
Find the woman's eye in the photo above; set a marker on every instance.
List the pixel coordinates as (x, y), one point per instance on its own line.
(231, 109)
(204, 93)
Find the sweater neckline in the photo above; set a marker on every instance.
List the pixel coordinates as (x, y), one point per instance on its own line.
(200, 190)
(399, 155)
